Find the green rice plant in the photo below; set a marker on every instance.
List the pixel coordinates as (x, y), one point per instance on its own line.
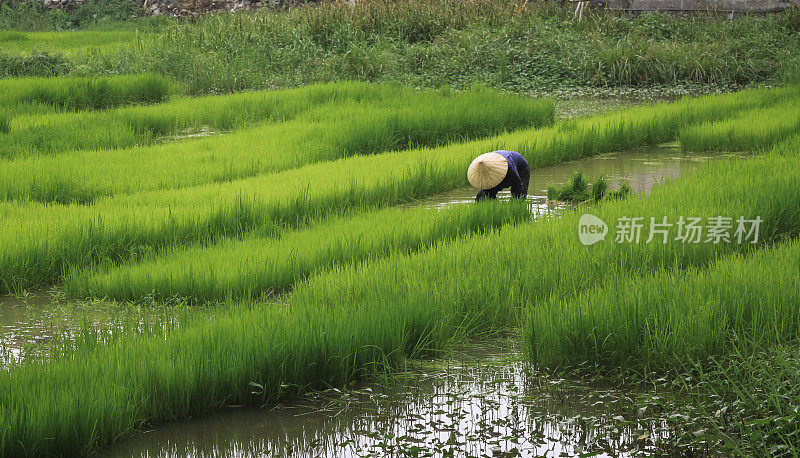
(532, 263)
(71, 42)
(353, 321)
(255, 265)
(471, 112)
(325, 132)
(599, 188)
(5, 122)
(754, 129)
(121, 127)
(42, 242)
(577, 190)
(624, 191)
(70, 93)
(686, 315)
(251, 356)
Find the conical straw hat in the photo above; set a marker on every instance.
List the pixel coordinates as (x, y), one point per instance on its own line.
(487, 170)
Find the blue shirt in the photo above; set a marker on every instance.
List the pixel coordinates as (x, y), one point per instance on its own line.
(517, 177)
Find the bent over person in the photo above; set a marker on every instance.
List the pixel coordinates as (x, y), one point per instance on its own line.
(498, 170)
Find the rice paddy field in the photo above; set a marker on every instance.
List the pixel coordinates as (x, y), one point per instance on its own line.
(304, 271)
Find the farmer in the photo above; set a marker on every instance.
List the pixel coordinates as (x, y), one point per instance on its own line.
(498, 170)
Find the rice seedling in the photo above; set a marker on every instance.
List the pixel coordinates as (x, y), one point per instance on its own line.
(325, 132)
(687, 315)
(255, 265)
(353, 321)
(70, 42)
(41, 242)
(32, 95)
(122, 127)
(5, 123)
(578, 190)
(553, 263)
(752, 130)
(56, 133)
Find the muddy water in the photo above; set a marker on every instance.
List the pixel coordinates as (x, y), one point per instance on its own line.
(641, 169)
(480, 401)
(36, 324)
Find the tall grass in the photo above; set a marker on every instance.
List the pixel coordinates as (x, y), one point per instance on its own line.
(355, 320)
(754, 129)
(514, 46)
(396, 119)
(41, 242)
(25, 95)
(671, 316)
(253, 266)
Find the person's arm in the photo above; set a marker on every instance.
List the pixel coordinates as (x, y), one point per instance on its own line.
(518, 188)
(486, 194)
(524, 177)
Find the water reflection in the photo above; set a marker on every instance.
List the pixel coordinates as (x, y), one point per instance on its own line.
(641, 169)
(41, 323)
(481, 401)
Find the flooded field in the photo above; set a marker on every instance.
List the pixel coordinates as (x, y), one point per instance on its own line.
(35, 324)
(292, 285)
(481, 400)
(44, 317)
(641, 169)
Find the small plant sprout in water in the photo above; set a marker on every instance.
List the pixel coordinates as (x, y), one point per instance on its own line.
(578, 190)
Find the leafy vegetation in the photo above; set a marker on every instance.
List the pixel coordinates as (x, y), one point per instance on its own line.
(508, 45)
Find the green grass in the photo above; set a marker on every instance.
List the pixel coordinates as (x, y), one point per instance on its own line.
(755, 129)
(355, 320)
(689, 315)
(87, 42)
(518, 47)
(553, 262)
(337, 125)
(255, 265)
(51, 133)
(511, 46)
(38, 95)
(44, 241)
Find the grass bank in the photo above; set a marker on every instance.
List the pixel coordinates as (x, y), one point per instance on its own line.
(512, 46)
